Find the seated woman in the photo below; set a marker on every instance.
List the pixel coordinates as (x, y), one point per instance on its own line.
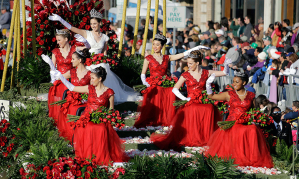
(245, 144)
(90, 139)
(292, 115)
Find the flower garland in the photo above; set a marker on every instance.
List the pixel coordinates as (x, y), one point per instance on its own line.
(251, 117)
(102, 115)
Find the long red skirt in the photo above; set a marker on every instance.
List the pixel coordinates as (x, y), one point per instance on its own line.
(100, 140)
(157, 108)
(55, 94)
(65, 128)
(192, 126)
(246, 144)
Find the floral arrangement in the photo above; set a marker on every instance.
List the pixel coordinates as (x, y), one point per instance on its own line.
(67, 167)
(6, 137)
(100, 58)
(77, 15)
(202, 98)
(72, 98)
(163, 81)
(251, 117)
(102, 115)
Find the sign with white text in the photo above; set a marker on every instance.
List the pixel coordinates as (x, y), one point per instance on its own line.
(4, 109)
(175, 17)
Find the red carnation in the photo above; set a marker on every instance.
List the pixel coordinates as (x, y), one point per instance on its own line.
(76, 13)
(206, 100)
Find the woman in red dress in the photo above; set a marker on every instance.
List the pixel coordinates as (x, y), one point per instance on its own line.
(246, 144)
(61, 57)
(80, 76)
(194, 123)
(157, 107)
(90, 139)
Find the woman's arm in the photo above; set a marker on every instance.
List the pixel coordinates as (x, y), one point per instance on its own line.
(105, 48)
(176, 57)
(79, 31)
(81, 89)
(219, 97)
(145, 66)
(217, 73)
(180, 82)
(111, 102)
(54, 60)
(67, 75)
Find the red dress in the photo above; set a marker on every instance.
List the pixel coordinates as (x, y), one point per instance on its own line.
(64, 127)
(101, 139)
(245, 143)
(56, 91)
(194, 123)
(157, 107)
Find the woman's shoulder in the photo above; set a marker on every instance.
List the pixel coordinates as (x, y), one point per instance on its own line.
(105, 37)
(185, 74)
(110, 92)
(149, 58)
(55, 51)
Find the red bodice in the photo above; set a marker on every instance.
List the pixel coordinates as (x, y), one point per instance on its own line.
(157, 69)
(95, 102)
(192, 85)
(75, 80)
(238, 107)
(64, 64)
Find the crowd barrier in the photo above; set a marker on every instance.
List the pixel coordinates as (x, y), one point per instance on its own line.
(288, 92)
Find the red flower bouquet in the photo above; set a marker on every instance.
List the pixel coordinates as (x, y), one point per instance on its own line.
(251, 117)
(6, 139)
(102, 115)
(100, 58)
(73, 98)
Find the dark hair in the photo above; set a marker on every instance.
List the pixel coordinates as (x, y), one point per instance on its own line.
(248, 17)
(278, 24)
(242, 20)
(287, 21)
(284, 29)
(142, 21)
(97, 19)
(224, 22)
(272, 110)
(237, 39)
(86, 54)
(242, 75)
(163, 42)
(296, 104)
(100, 72)
(276, 62)
(271, 26)
(199, 54)
(211, 25)
(259, 49)
(261, 100)
(206, 61)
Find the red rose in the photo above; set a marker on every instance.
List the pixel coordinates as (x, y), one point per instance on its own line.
(89, 168)
(42, 26)
(76, 13)
(87, 27)
(38, 39)
(206, 100)
(87, 175)
(22, 172)
(41, 42)
(78, 173)
(84, 19)
(113, 120)
(104, 120)
(53, 39)
(38, 21)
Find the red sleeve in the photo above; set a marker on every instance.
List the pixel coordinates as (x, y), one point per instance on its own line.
(149, 57)
(221, 60)
(54, 51)
(278, 32)
(110, 92)
(185, 75)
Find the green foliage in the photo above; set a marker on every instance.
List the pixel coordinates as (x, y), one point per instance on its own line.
(129, 70)
(167, 166)
(11, 95)
(283, 152)
(32, 72)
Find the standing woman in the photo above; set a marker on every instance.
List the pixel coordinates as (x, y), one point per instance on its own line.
(157, 106)
(61, 58)
(80, 76)
(90, 139)
(246, 144)
(194, 123)
(98, 44)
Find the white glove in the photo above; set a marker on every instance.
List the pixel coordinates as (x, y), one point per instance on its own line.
(209, 82)
(226, 67)
(187, 53)
(144, 81)
(52, 78)
(56, 17)
(80, 38)
(48, 60)
(179, 94)
(58, 75)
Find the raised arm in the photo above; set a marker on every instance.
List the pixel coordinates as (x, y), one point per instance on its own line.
(219, 97)
(186, 53)
(56, 17)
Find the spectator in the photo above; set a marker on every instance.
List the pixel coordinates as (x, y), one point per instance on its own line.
(285, 34)
(276, 38)
(210, 27)
(196, 30)
(205, 64)
(219, 33)
(234, 26)
(233, 52)
(294, 114)
(270, 106)
(5, 20)
(295, 38)
(261, 60)
(270, 30)
(286, 24)
(217, 26)
(261, 102)
(128, 52)
(224, 24)
(280, 129)
(206, 35)
(267, 43)
(248, 28)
